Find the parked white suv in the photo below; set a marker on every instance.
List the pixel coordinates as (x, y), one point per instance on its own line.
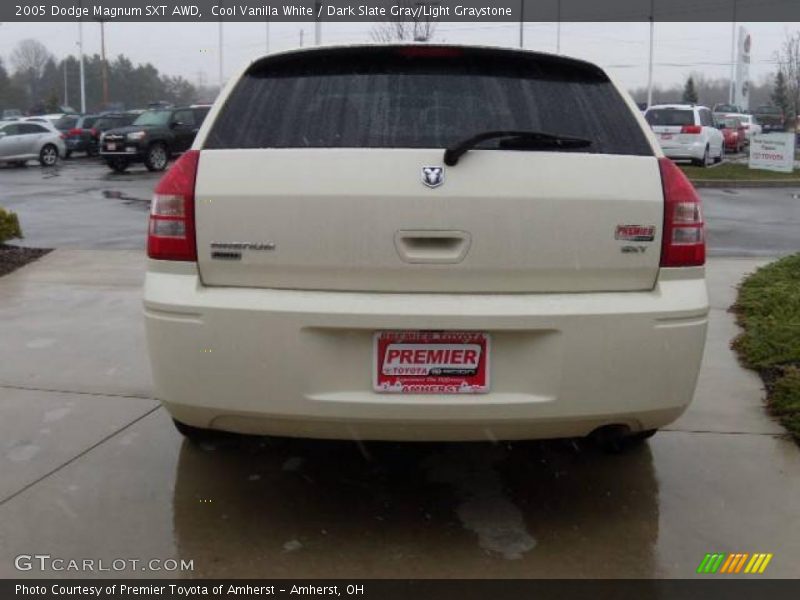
(687, 132)
(425, 243)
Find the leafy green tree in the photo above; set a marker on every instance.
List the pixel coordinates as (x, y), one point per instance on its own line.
(690, 92)
(38, 82)
(51, 86)
(780, 93)
(788, 58)
(178, 91)
(11, 95)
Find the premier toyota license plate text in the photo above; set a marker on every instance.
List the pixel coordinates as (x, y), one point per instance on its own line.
(431, 362)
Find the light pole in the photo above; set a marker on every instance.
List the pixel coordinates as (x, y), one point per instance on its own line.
(104, 63)
(221, 80)
(83, 79)
(733, 55)
(66, 88)
(558, 28)
(650, 59)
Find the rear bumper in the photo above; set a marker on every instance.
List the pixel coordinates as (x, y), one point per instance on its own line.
(300, 363)
(684, 151)
(133, 156)
(131, 150)
(79, 144)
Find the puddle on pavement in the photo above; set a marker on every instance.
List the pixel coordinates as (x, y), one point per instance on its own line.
(127, 199)
(524, 509)
(52, 172)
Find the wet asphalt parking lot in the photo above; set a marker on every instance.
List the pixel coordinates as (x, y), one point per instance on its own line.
(92, 467)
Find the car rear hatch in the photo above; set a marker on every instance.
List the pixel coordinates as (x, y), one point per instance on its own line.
(673, 126)
(324, 170)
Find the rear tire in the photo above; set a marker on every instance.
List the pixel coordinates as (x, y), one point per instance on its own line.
(48, 156)
(703, 162)
(157, 157)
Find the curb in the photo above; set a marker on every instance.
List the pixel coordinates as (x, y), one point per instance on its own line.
(745, 183)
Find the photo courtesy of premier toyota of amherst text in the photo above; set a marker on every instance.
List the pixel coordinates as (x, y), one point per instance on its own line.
(384, 299)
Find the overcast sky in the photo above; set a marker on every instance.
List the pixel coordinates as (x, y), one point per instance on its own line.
(191, 49)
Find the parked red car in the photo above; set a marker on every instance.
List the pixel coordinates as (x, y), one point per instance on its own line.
(734, 132)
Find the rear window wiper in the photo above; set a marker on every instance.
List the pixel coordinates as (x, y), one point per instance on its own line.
(514, 139)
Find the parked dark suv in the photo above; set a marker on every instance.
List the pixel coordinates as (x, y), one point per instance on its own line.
(79, 133)
(115, 120)
(152, 138)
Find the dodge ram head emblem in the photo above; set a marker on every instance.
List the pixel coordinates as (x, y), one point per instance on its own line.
(433, 176)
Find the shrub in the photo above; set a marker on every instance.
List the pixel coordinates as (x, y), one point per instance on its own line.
(9, 226)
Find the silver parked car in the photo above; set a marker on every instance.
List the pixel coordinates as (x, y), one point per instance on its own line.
(21, 141)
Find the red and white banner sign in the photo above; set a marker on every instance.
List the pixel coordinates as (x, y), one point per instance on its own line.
(431, 362)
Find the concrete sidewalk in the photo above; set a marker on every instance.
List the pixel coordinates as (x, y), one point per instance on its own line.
(93, 469)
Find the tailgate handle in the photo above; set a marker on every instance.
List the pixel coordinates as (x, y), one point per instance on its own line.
(432, 246)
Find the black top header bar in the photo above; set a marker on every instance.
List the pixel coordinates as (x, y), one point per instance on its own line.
(401, 10)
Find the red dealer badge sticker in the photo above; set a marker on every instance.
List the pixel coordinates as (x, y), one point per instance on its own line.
(431, 362)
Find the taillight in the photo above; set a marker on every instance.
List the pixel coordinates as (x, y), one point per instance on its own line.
(684, 243)
(75, 131)
(171, 234)
(691, 129)
(93, 132)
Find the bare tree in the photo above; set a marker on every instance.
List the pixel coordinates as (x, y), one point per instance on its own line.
(29, 59)
(400, 29)
(788, 58)
(30, 56)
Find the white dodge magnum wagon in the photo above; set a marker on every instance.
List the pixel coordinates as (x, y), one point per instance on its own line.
(412, 242)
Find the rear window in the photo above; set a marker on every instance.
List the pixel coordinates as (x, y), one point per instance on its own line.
(200, 113)
(104, 123)
(669, 117)
(403, 98)
(66, 122)
(154, 117)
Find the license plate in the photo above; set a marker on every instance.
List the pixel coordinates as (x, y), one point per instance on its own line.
(666, 136)
(111, 147)
(431, 362)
